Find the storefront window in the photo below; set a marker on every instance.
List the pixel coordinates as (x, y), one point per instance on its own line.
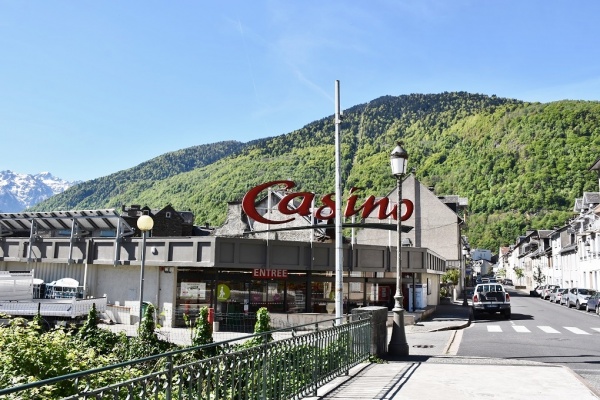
(296, 297)
(192, 295)
(354, 295)
(379, 294)
(231, 296)
(323, 297)
(269, 294)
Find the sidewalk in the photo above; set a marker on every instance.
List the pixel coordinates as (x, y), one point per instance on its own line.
(432, 371)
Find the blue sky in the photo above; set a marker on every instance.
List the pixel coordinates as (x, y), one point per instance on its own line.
(89, 88)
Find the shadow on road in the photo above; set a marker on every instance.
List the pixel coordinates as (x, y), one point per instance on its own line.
(500, 317)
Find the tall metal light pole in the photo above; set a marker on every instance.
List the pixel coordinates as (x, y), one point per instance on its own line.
(464, 257)
(398, 345)
(145, 224)
(339, 246)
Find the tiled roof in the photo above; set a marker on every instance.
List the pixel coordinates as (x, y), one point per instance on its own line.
(596, 165)
(591, 198)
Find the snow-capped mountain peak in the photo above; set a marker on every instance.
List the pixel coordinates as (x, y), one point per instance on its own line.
(21, 191)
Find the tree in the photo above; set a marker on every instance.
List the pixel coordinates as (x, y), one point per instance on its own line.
(202, 333)
(263, 325)
(519, 273)
(538, 277)
(451, 276)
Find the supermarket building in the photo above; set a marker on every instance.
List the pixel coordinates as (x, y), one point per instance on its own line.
(244, 264)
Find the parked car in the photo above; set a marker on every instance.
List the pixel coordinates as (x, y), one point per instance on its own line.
(540, 290)
(535, 292)
(564, 298)
(592, 303)
(507, 282)
(547, 290)
(558, 295)
(578, 297)
(554, 293)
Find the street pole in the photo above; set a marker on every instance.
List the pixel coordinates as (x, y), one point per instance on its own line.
(144, 223)
(142, 274)
(464, 257)
(339, 257)
(398, 345)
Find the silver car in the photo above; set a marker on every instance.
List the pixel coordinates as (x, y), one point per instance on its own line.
(556, 294)
(578, 297)
(545, 295)
(564, 298)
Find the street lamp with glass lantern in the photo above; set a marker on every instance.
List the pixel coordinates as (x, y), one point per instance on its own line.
(398, 345)
(145, 223)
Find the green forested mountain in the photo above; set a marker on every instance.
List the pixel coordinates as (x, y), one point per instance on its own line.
(521, 165)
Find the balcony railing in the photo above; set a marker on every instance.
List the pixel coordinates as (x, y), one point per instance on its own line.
(289, 368)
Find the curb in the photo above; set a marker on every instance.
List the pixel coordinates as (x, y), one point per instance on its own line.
(452, 328)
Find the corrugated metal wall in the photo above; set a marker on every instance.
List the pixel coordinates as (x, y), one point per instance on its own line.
(48, 272)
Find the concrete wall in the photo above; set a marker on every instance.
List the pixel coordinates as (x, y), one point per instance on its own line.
(379, 330)
(435, 225)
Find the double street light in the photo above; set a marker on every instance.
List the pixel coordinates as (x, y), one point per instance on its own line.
(398, 345)
(145, 223)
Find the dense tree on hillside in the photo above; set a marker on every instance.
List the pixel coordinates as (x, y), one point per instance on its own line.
(521, 165)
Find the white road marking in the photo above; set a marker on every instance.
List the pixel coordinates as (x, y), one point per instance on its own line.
(577, 331)
(494, 328)
(596, 329)
(521, 329)
(548, 329)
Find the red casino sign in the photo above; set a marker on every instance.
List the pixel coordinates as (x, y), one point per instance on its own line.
(326, 210)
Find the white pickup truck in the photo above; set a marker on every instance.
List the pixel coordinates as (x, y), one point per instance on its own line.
(491, 298)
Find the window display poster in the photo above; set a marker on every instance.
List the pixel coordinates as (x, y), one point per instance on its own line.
(196, 290)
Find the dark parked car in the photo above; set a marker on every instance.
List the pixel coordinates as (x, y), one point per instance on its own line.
(592, 303)
(535, 292)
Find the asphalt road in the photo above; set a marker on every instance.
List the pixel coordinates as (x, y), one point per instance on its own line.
(539, 331)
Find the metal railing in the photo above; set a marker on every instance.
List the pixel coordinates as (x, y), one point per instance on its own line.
(250, 367)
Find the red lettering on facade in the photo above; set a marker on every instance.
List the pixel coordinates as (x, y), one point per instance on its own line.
(368, 207)
(249, 201)
(263, 273)
(304, 207)
(328, 204)
(324, 212)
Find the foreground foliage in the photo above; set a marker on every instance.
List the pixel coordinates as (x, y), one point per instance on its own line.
(30, 353)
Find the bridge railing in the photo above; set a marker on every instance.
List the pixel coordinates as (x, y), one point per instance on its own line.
(250, 367)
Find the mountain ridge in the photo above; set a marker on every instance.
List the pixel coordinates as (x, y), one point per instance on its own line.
(520, 164)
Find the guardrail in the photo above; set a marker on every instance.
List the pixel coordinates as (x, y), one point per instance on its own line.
(251, 368)
(68, 307)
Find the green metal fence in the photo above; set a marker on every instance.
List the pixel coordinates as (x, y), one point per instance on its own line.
(290, 368)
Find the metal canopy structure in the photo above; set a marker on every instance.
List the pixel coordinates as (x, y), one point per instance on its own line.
(79, 223)
(85, 221)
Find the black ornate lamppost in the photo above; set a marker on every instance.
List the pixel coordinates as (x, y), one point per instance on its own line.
(398, 345)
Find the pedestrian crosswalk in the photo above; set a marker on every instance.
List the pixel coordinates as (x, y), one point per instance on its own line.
(543, 328)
